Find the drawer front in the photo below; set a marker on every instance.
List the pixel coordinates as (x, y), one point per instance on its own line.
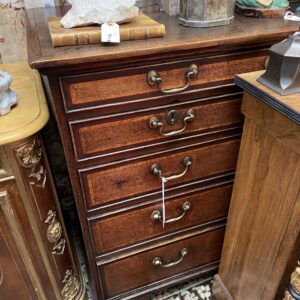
(140, 224)
(135, 178)
(99, 137)
(136, 271)
(111, 87)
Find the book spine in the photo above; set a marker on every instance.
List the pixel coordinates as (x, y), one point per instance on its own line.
(142, 33)
(94, 37)
(75, 39)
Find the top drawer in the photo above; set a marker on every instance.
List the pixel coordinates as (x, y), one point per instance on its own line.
(115, 87)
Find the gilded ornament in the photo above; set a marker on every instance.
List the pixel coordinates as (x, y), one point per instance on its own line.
(39, 174)
(59, 247)
(30, 154)
(294, 286)
(71, 286)
(54, 232)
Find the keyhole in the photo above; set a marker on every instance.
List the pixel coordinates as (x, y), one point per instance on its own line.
(172, 117)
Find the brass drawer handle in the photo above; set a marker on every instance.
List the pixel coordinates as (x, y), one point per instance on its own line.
(158, 261)
(156, 169)
(154, 79)
(172, 118)
(156, 215)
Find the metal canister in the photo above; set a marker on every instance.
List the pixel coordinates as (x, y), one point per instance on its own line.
(206, 13)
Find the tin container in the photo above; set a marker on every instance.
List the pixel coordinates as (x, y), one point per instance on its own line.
(206, 13)
(283, 71)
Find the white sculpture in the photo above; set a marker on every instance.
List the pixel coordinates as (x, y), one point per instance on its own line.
(7, 96)
(86, 12)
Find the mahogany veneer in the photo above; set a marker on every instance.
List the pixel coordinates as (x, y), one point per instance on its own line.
(103, 105)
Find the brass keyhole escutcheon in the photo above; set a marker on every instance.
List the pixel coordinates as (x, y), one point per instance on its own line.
(172, 117)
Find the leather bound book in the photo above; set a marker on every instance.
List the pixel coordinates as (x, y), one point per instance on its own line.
(142, 27)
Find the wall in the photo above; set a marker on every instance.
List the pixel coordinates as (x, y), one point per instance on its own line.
(12, 27)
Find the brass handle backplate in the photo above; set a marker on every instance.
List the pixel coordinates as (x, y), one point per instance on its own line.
(156, 215)
(189, 116)
(158, 261)
(156, 169)
(154, 79)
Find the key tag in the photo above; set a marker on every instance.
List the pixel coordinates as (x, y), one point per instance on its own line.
(163, 182)
(110, 33)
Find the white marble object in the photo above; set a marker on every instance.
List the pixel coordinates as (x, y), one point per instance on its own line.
(86, 12)
(7, 97)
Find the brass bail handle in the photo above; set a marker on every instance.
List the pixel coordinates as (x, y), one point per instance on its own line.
(156, 215)
(158, 261)
(156, 169)
(154, 79)
(154, 122)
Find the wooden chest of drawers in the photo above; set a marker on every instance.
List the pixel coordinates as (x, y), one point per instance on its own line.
(122, 134)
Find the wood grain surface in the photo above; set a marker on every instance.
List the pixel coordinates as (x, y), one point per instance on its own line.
(82, 90)
(178, 38)
(121, 182)
(264, 216)
(136, 225)
(132, 272)
(97, 137)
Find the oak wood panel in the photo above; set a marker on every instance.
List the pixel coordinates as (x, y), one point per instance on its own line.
(264, 216)
(104, 186)
(136, 225)
(110, 134)
(97, 88)
(243, 31)
(135, 271)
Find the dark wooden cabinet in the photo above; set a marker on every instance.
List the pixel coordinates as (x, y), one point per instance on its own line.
(36, 258)
(115, 127)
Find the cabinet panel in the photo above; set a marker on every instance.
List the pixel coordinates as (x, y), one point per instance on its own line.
(139, 224)
(135, 178)
(105, 135)
(131, 83)
(135, 271)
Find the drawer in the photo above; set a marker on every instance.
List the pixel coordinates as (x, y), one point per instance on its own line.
(110, 134)
(139, 270)
(140, 224)
(135, 178)
(111, 87)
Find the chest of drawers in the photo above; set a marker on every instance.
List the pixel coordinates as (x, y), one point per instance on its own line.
(126, 122)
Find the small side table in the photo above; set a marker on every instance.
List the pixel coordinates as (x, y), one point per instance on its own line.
(36, 260)
(262, 236)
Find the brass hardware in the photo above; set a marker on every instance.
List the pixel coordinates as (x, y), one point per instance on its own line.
(158, 261)
(156, 169)
(156, 215)
(172, 119)
(154, 79)
(71, 286)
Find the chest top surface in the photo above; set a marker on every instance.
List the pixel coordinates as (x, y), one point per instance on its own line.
(287, 105)
(31, 111)
(178, 39)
